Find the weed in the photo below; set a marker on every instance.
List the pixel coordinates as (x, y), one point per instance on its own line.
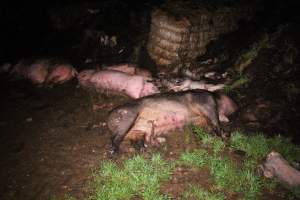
(199, 193)
(232, 89)
(216, 143)
(240, 180)
(285, 147)
(138, 177)
(255, 146)
(247, 57)
(197, 158)
(259, 146)
(242, 80)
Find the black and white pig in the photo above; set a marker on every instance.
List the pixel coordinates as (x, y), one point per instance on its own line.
(149, 118)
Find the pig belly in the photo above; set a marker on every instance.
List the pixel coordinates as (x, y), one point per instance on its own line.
(157, 122)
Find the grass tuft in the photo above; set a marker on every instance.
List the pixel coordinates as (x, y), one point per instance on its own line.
(259, 146)
(138, 177)
(197, 158)
(199, 193)
(255, 147)
(216, 143)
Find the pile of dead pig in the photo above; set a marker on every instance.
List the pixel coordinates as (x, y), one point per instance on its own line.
(159, 105)
(125, 79)
(184, 103)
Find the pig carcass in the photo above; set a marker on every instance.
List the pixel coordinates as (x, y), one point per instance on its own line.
(188, 84)
(35, 71)
(151, 117)
(277, 167)
(134, 86)
(44, 70)
(60, 73)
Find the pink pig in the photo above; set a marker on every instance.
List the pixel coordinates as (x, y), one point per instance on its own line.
(133, 86)
(60, 73)
(35, 71)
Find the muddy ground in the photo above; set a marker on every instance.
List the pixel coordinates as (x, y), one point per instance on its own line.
(53, 138)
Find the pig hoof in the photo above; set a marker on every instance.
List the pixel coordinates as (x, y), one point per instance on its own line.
(139, 145)
(142, 149)
(225, 135)
(113, 151)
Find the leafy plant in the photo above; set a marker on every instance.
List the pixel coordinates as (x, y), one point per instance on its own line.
(249, 56)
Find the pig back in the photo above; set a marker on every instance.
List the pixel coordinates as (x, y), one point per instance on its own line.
(113, 80)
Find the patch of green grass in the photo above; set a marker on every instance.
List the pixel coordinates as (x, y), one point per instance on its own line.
(216, 143)
(229, 177)
(141, 178)
(223, 171)
(226, 175)
(197, 158)
(255, 146)
(259, 146)
(138, 177)
(200, 194)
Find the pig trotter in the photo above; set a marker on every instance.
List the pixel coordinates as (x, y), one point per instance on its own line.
(139, 145)
(120, 122)
(116, 141)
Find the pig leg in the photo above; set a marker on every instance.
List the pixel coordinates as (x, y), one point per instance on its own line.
(149, 136)
(125, 120)
(139, 145)
(207, 106)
